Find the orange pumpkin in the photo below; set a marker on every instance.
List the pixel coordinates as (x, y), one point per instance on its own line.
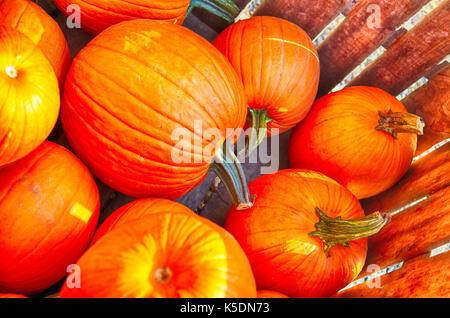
(305, 234)
(279, 67)
(165, 254)
(12, 296)
(29, 96)
(49, 207)
(361, 137)
(270, 294)
(123, 118)
(30, 19)
(136, 210)
(97, 15)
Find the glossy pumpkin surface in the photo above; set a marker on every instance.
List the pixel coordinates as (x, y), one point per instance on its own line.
(29, 96)
(138, 122)
(270, 294)
(30, 19)
(278, 65)
(274, 234)
(166, 254)
(49, 207)
(339, 138)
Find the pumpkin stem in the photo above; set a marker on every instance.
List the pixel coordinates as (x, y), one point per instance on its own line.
(226, 9)
(257, 121)
(11, 71)
(398, 122)
(336, 231)
(163, 275)
(227, 167)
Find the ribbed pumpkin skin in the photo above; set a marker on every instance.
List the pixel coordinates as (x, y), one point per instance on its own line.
(338, 138)
(270, 294)
(30, 100)
(97, 15)
(274, 234)
(30, 19)
(135, 210)
(204, 259)
(44, 222)
(278, 64)
(120, 117)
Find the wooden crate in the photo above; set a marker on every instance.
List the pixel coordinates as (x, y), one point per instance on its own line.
(406, 55)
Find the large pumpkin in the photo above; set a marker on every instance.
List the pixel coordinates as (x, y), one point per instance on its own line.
(135, 210)
(167, 254)
(49, 207)
(123, 118)
(305, 234)
(361, 137)
(97, 15)
(30, 19)
(279, 67)
(29, 96)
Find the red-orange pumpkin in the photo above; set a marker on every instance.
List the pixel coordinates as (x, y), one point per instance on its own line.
(30, 19)
(135, 210)
(289, 235)
(12, 296)
(270, 294)
(97, 15)
(361, 137)
(165, 254)
(279, 67)
(49, 207)
(29, 96)
(122, 118)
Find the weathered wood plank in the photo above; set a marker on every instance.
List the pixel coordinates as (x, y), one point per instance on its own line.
(422, 277)
(413, 232)
(311, 16)
(359, 35)
(411, 55)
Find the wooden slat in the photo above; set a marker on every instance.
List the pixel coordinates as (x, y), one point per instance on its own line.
(356, 38)
(413, 232)
(432, 103)
(311, 16)
(423, 277)
(412, 55)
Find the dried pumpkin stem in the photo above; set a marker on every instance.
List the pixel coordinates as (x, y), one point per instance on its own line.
(398, 122)
(227, 167)
(336, 231)
(226, 9)
(163, 275)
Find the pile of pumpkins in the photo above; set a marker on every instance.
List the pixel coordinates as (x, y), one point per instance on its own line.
(299, 232)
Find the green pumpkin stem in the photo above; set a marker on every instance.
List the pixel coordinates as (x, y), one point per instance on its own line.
(398, 122)
(336, 231)
(257, 120)
(226, 9)
(227, 167)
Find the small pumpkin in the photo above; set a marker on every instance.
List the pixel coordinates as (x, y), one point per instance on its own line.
(122, 118)
(279, 67)
(30, 19)
(164, 255)
(270, 294)
(305, 235)
(29, 96)
(362, 137)
(49, 207)
(97, 15)
(136, 210)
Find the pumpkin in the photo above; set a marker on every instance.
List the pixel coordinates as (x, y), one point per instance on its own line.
(49, 208)
(305, 235)
(167, 254)
(97, 15)
(136, 210)
(12, 296)
(279, 67)
(362, 137)
(270, 294)
(142, 123)
(29, 96)
(30, 19)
